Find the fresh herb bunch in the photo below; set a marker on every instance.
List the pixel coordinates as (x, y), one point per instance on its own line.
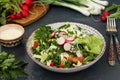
(115, 8)
(9, 6)
(10, 68)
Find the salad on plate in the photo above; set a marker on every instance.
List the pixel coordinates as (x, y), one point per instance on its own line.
(67, 46)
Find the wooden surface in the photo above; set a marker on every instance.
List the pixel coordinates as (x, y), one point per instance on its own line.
(35, 14)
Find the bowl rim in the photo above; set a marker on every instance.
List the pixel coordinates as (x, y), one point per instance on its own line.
(67, 70)
(8, 26)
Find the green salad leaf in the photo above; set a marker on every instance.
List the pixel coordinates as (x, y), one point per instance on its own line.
(94, 43)
(43, 33)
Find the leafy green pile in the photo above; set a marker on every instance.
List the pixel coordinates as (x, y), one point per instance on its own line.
(115, 8)
(10, 68)
(43, 33)
(8, 6)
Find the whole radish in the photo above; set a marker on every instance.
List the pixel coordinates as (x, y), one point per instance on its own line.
(61, 41)
(24, 13)
(12, 16)
(25, 7)
(104, 16)
(18, 16)
(29, 3)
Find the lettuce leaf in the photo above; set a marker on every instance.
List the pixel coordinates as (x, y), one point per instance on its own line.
(94, 43)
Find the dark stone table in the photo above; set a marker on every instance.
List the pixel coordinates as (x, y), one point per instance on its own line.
(99, 71)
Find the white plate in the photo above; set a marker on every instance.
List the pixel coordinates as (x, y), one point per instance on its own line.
(67, 70)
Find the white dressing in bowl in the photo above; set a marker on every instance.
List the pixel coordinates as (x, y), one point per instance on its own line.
(10, 33)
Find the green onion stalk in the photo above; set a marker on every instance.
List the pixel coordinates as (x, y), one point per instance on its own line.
(86, 7)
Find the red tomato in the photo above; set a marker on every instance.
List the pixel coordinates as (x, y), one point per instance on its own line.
(81, 59)
(35, 44)
(70, 58)
(52, 64)
(62, 64)
(75, 60)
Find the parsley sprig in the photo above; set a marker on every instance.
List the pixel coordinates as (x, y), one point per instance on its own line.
(10, 68)
(116, 11)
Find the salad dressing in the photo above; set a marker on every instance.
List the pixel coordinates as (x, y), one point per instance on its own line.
(10, 33)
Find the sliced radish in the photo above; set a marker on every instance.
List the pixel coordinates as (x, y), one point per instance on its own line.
(67, 46)
(61, 41)
(70, 39)
(62, 33)
(53, 34)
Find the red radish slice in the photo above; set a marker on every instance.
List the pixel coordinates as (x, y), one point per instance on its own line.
(70, 39)
(62, 33)
(53, 34)
(67, 46)
(61, 40)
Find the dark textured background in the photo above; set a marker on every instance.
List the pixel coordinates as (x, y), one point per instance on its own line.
(99, 71)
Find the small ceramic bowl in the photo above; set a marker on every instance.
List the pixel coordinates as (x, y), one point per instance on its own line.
(11, 35)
